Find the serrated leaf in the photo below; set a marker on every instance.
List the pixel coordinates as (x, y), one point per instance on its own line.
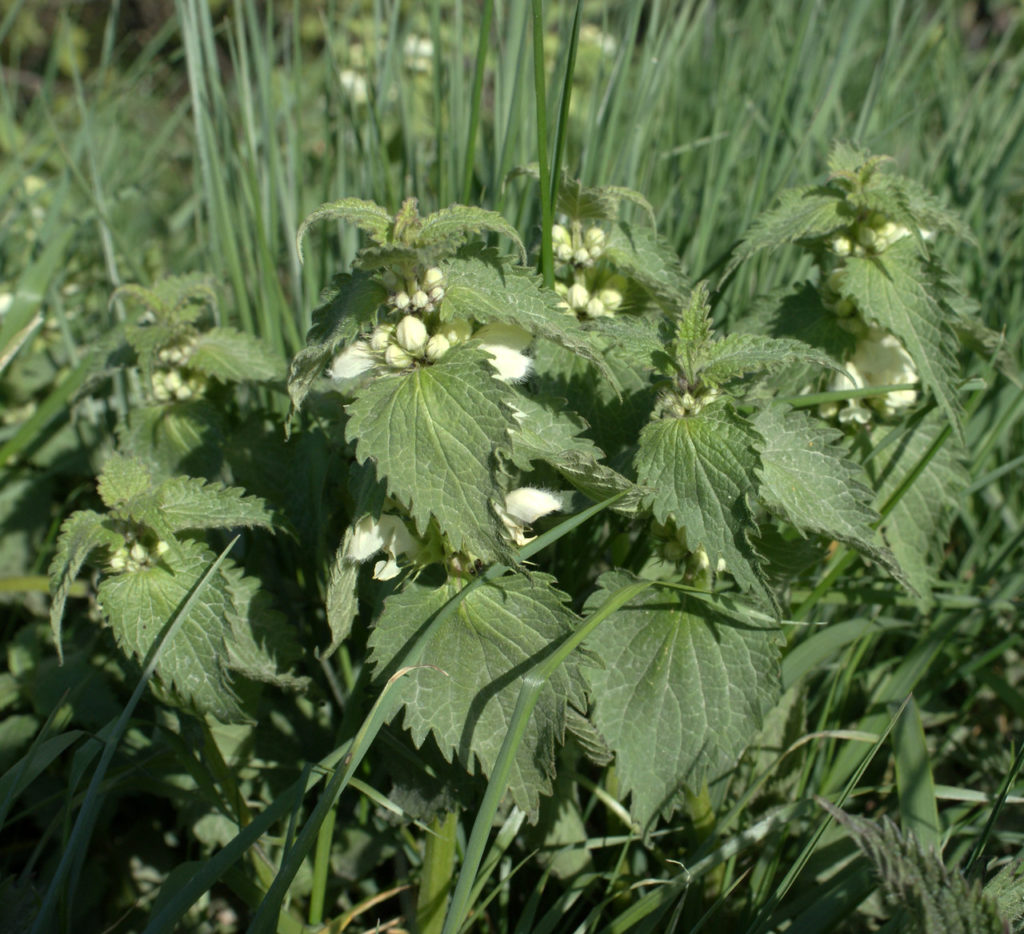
(700, 471)
(801, 214)
(197, 665)
(682, 692)
(480, 286)
(190, 503)
(349, 308)
(342, 603)
(177, 438)
(646, 258)
(545, 428)
(173, 298)
(432, 434)
(499, 632)
(890, 289)
(366, 215)
(738, 355)
(808, 480)
(232, 355)
(80, 534)
(579, 202)
(449, 225)
(932, 898)
(917, 528)
(123, 479)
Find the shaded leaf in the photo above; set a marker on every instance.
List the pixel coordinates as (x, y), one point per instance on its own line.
(232, 355)
(481, 654)
(682, 691)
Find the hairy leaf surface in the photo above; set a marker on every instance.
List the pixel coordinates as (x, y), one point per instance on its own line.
(481, 654)
(432, 433)
(701, 469)
(682, 691)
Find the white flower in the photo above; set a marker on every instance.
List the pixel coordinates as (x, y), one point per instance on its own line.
(437, 347)
(396, 357)
(853, 410)
(883, 361)
(388, 534)
(577, 296)
(432, 278)
(354, 85)
(411, 334)
(610, 298)
(381, 337)
(419, 53)
(506, 343)
(523, 507)
(354, 360)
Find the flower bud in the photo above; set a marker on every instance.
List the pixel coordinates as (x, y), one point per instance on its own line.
(420, 299)
(560, 236)
(396, 358)
(432, 278)
(596, 309)
(118, 560)
(834, 283)
(381, 337)
(841, 246)
(594, 240)
(866, 237)
(401, 300)
(411, 334)
(610, 298)
(162, 548)
(437, 347)
(563, 252)
(578, 296)
(581, 257)
(138, 553)
(436, 294)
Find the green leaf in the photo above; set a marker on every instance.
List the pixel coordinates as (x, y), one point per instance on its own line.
(366, 215)
(891, 290)
(123, 479)
(917, 528)
(200, 666)
(647, 259)
(479, 656)
(173, 299)
(931, 899)
(808, 480)
(448, 227)
(480, 286)
(349, 308)
(700, 471)
(682, 691)
(578, 202)
(80, 534)
(232, 355)
(190, 503)
(737, 355)
(342, 603)
(177, 438)
(801, 214)
(432, 434)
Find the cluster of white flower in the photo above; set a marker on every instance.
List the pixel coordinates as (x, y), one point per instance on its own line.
(178, 385)
(399, 346)
(421, 295)
(419, 53)
(389, 533)
(878, 360)
(579, 248)
(676, 548)
(134, 557)
(587, 291)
